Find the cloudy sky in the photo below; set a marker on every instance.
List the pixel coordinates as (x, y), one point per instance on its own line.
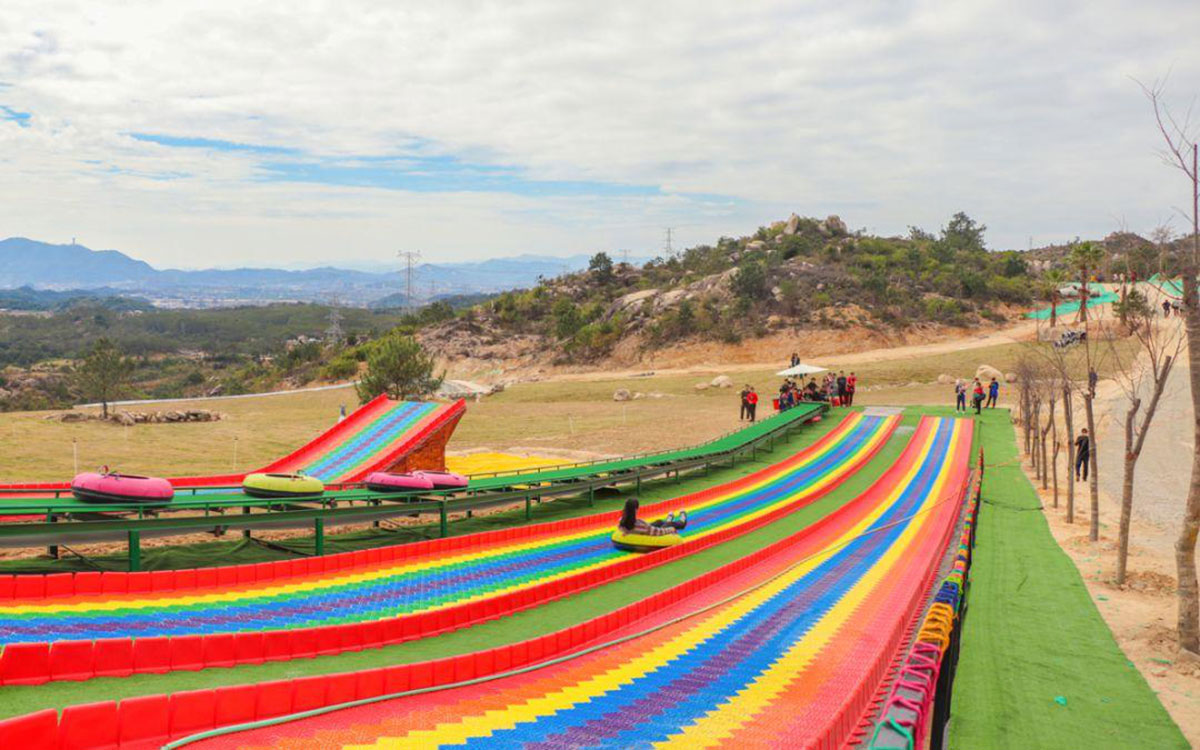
(292, 133)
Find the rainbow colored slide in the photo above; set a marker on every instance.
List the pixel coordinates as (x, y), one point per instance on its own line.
(374, 437)
(793, 658)
(428, 587)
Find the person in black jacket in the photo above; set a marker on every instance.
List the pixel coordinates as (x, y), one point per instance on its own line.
(1083, 455)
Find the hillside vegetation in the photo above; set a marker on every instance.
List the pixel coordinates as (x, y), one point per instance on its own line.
(802, 273)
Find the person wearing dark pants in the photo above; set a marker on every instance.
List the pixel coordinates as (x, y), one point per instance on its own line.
(851, 387)
(745, 404)
(977, 396)
(1083, 455)
(752, 403)
(993, 392)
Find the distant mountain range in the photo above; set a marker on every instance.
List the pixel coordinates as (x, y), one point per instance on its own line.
(41, 265)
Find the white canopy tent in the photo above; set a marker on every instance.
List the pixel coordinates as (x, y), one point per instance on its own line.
(801, 369)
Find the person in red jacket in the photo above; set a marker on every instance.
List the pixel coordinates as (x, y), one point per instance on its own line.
(752, 402)
(851, 387)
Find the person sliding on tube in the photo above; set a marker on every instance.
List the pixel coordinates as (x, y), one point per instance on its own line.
(631, 524)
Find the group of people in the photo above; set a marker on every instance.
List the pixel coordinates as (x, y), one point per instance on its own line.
(1168, 306)
(837, 390)
(979, 399)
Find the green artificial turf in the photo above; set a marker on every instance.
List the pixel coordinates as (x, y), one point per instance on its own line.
(1039, 668)
(528, 624)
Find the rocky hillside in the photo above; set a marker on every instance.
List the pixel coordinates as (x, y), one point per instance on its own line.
(797, 275)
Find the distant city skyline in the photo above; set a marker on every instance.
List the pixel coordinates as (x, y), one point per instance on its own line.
(215, 134)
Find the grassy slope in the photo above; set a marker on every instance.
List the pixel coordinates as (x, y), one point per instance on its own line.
(1033, 636)
(17, 700)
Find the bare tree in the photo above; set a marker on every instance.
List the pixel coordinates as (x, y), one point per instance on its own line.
(1181, 152)
(1142, 376)
(1060, 365)
(1095, 349)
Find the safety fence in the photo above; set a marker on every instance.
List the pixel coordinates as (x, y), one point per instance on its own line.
(915, 713)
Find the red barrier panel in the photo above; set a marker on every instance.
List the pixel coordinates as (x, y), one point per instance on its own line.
(152, 655)
(34, 730)
(273, 699)
(72, 660)
(144, 718)
(91, 726)
(187, 652)
(219, 650)
(248, 648)
(235, 704)
(192, 711)
(309, 693)
(113, 657)
(25, 664)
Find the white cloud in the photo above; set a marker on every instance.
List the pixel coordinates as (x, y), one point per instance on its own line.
(1021, 113)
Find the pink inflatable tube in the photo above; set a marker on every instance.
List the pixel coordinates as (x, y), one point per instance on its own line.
(443, 480)
(108, 487)
(386, 481)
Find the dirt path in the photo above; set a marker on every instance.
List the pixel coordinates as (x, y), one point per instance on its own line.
(835, 352)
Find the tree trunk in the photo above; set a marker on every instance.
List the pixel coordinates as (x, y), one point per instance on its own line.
(1093, 481)
(1025, 415)
(1070, 425)
(1054, 461)
(1045, 463)
(104, 408)
(1185, 546)
(1034, 453)
(1053, 312)
(1127, 494)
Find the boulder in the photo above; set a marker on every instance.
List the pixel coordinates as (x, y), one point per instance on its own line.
(701, 386)
(124, 418)
(945, 379)
(722, 381)
(638, 396)
(793, 225)
(73, 416)
(755, 245)
(836, 226)
(987, 372)
(622, 394)
(1010, 377)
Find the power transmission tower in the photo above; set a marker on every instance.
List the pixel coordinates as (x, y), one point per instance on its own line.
(410, 256)
(670, 250)
(334, 333)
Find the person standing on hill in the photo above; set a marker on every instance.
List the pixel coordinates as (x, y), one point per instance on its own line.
(841, 387)
(960, 395)
(1083, 455)
(745, 403)
(752, 402)
(795, 359)
(993, 392)
(977, 396)
(851, 387)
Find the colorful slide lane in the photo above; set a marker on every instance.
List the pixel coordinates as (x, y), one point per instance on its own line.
(793, 662)
(493, 567)
(374, 437)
